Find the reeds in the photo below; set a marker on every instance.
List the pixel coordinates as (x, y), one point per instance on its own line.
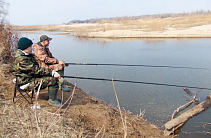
(124, 121)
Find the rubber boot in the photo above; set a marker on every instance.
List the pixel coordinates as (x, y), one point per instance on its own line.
(57, 98)
(55, 87)
(62, 83)
(52, 98)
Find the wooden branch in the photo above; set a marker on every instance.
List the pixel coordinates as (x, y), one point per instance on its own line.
(176, 123)
(182, 107)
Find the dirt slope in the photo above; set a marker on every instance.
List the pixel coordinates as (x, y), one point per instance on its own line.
(94, 117)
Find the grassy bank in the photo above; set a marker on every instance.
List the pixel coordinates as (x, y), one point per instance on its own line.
(82, 116)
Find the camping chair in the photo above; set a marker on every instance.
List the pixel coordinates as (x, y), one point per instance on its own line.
(22, 94)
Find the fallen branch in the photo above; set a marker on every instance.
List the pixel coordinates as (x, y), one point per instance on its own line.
(177, 123)
(182, 107)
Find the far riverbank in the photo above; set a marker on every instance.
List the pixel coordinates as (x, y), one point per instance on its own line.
(179, 27)
(203, 31)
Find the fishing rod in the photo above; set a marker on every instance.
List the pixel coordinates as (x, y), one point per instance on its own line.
(154, 66)
(141, 82)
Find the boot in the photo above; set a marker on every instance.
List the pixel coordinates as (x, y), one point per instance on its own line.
(62, 82)
(52, 98)
(57, 98)
(54, 103)
(62, 85)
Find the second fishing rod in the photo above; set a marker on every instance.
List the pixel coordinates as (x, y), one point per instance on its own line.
(138, 82)
(136, 65)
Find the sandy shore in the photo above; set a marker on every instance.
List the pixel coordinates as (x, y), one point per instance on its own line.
(203, 31)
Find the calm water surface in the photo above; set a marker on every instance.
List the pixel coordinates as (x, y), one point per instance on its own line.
(159, 102)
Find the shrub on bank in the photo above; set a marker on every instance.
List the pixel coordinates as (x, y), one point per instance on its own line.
(8, 42)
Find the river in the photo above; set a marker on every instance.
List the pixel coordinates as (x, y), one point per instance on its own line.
(158, 102)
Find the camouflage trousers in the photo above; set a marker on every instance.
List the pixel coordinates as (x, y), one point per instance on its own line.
(50, 82)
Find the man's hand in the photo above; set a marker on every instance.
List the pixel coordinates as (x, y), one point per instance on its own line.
(55, 74)
(61, 62)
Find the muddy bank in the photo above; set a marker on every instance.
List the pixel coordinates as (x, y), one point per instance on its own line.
(88, 116)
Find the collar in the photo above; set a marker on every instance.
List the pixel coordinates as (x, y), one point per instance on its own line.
(24, 52)
(40, 44)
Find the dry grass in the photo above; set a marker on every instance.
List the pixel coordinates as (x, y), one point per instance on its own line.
(21, 122)
(8, 41)
(160, 24)
(154, 24)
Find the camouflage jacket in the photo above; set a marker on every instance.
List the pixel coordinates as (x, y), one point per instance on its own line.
(45, 58)
(26, 68)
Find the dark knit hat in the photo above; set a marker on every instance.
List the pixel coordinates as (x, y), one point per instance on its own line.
(24, 43)
(45, 37)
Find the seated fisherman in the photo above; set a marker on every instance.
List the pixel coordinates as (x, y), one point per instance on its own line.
(30, 74)
(47, 60)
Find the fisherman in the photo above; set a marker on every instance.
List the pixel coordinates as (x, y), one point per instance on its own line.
(47, 60)
(29, 74)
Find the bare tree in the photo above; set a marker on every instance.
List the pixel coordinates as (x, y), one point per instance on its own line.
(3, 10)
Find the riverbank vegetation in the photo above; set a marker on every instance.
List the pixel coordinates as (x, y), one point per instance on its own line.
(143, 24)
(8, 40)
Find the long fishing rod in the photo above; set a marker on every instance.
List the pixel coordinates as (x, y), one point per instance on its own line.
(141, 82)
(96, 64)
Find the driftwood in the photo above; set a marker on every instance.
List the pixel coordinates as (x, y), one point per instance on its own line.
(177, 123)
(183, 107)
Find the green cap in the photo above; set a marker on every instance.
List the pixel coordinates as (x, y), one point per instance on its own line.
(24, 43)
(45, 37)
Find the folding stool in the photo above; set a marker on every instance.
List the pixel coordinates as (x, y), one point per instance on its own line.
(22, 94)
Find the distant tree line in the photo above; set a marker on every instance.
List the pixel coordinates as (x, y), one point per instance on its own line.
(154, 16)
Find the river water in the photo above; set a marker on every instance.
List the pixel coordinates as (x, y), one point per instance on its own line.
(158, 102)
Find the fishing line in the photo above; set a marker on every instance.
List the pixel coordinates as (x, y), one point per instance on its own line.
(141, 82)
(154, 66)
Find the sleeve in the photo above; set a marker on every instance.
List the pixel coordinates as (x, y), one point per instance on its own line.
(26, 66)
